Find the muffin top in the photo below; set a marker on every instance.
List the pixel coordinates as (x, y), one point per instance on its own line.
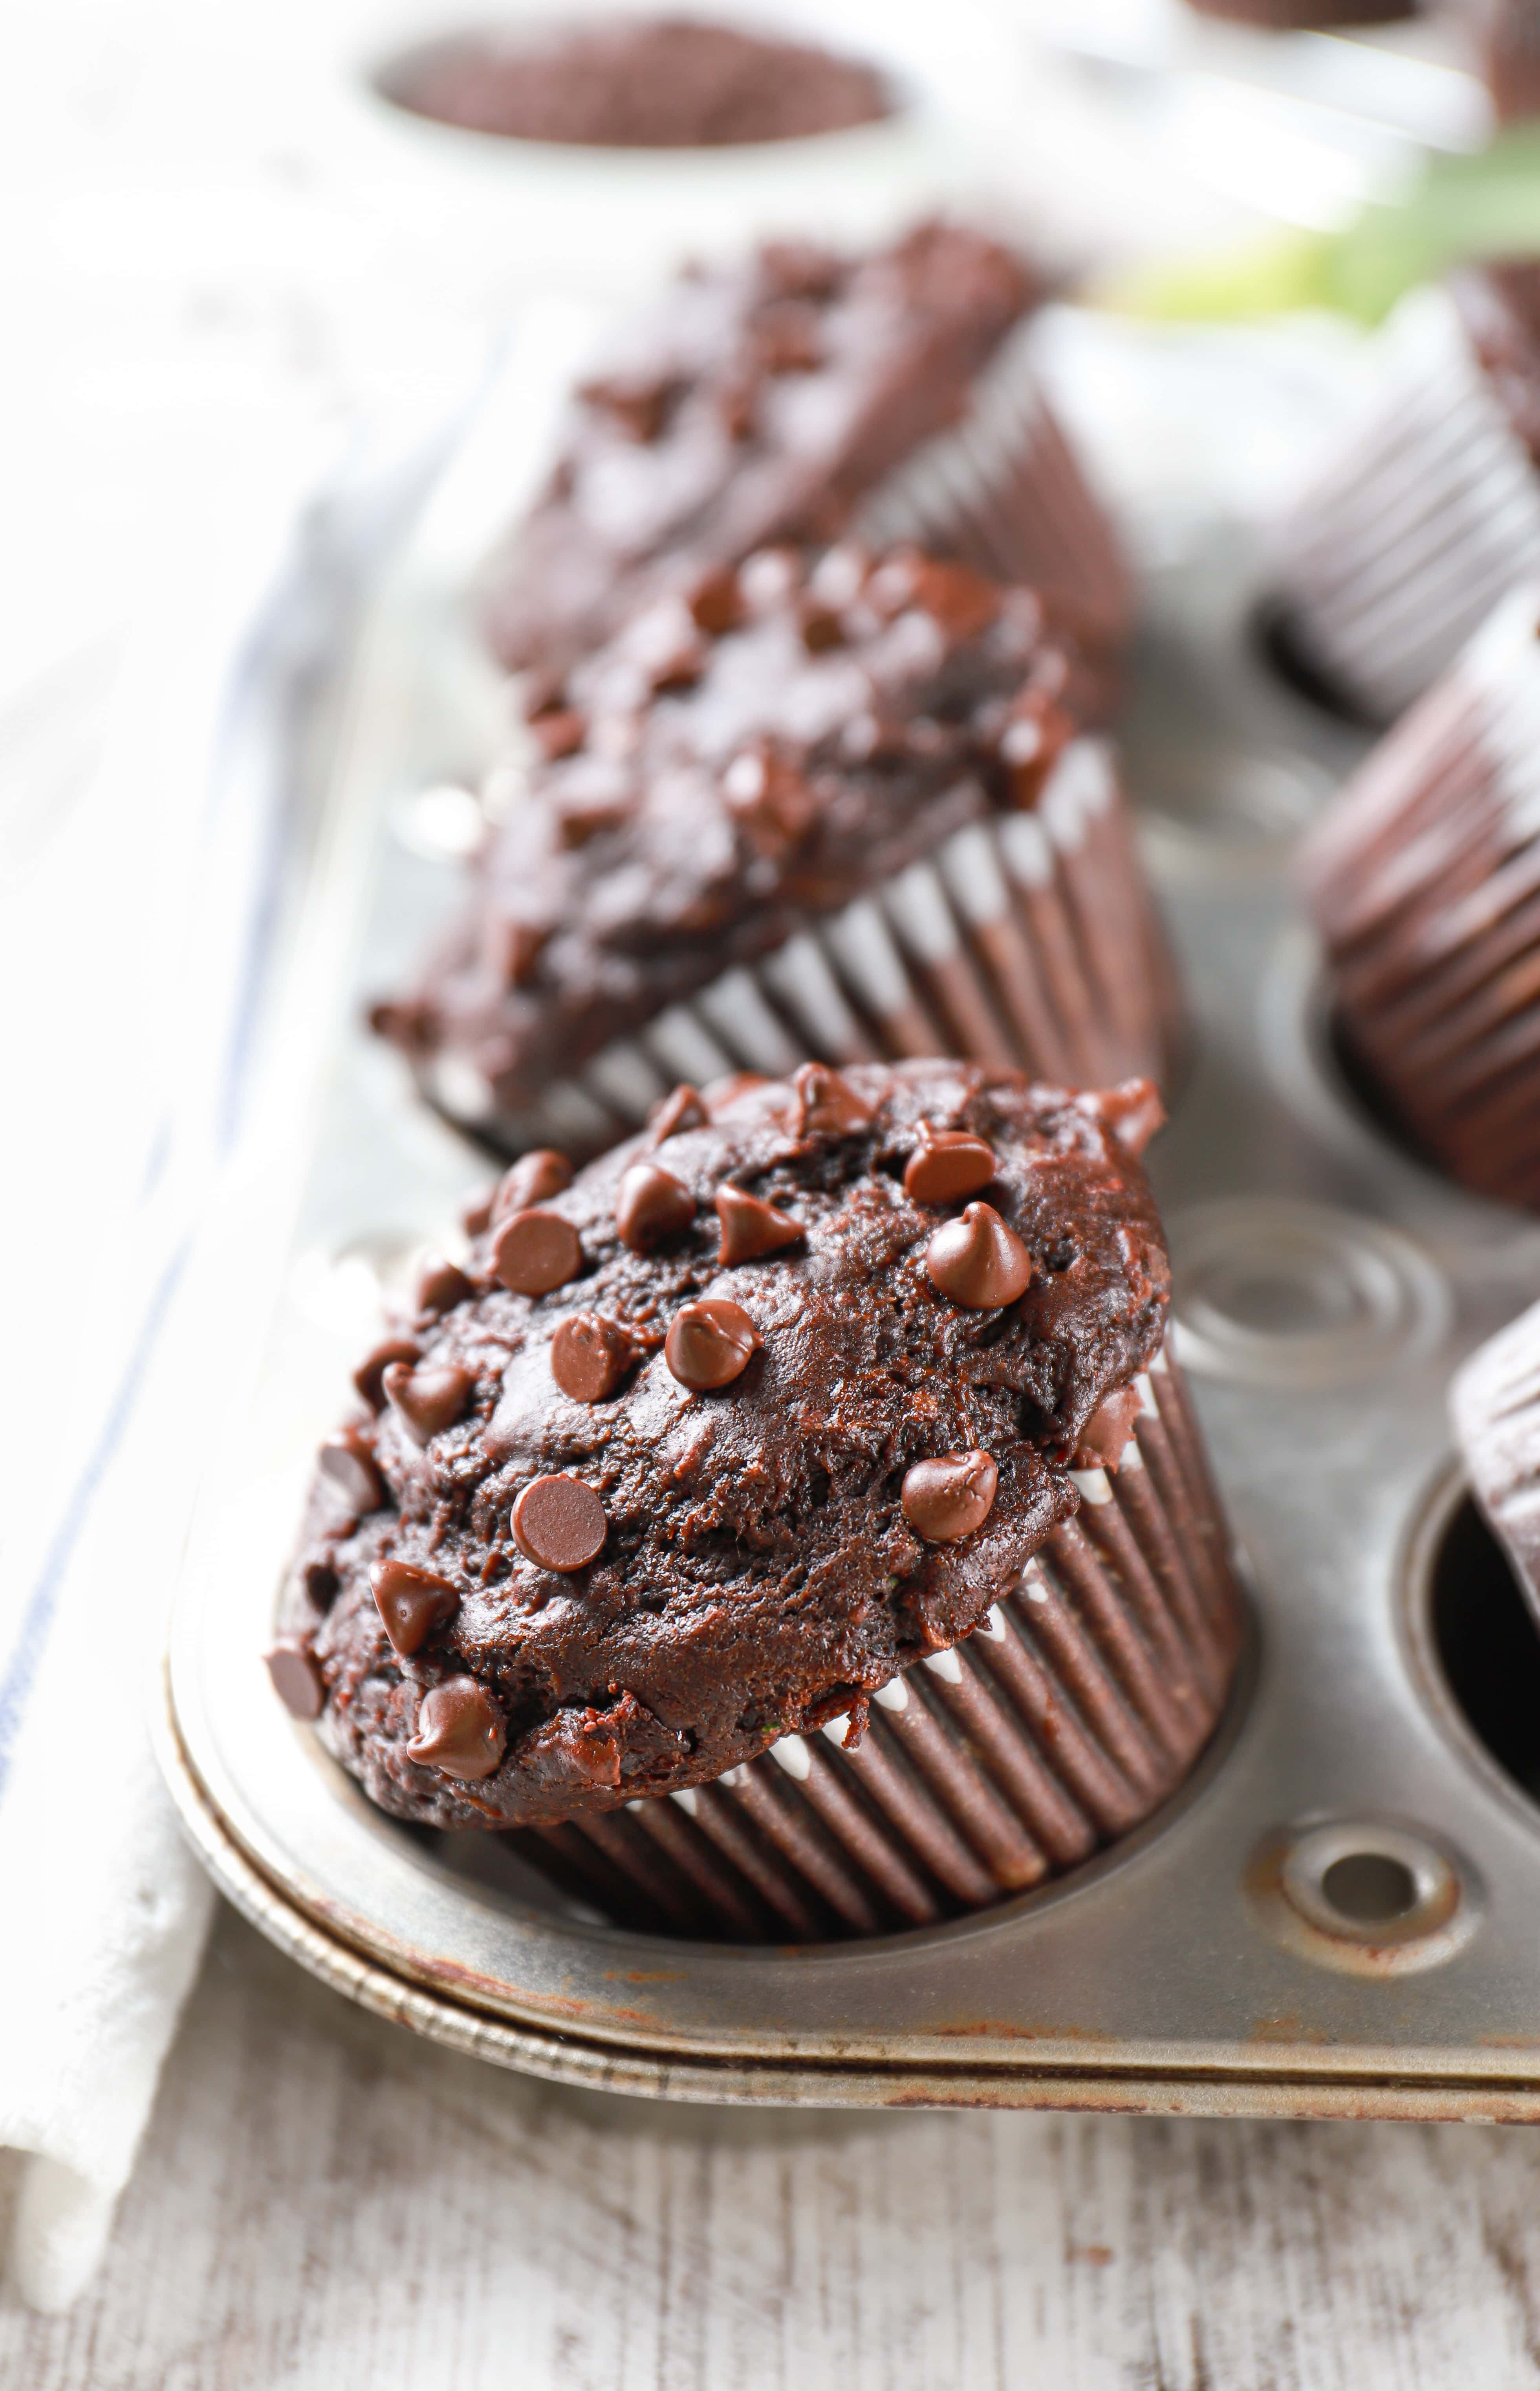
(756, 401)
(728, 767)
(704, 1446)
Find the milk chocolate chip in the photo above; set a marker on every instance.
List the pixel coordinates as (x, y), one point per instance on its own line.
(534, 1251)
(411, 1602)
(428, 1400)
(750, 1227)
(1104, 1438)
(590, 1355)
(460, 1730)
(948, 1164)
(348, 1460)
(827, 1103)
(441, 1285)
(978, 1260)
(558, 1523)
(650, 1205)
(681, 1110)
(370, 1373)
(709, 1343)
(534, 1178)
(949, 1497)
(296, 1679)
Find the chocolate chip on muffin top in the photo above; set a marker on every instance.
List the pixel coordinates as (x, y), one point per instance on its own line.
(694, 1499)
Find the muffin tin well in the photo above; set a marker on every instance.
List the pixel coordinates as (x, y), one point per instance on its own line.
(1337, 1914)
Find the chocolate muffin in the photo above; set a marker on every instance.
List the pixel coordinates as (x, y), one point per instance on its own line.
(1510, 55)
(1495, 1411)
(1424, 881)
(834, 809)
(704, 1450)
(648, 83)
(799, 396)
(1429, 512)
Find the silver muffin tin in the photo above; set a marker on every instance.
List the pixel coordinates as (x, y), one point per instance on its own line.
(1340, 1913)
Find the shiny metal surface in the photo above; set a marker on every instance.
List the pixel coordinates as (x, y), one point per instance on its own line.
(1327, 1286)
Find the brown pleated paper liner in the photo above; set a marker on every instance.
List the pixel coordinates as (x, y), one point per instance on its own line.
(1064, 1720)
(1029, 940)
(1428, 516)
(1425, 884)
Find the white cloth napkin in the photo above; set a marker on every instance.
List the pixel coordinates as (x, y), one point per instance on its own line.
(130, 972)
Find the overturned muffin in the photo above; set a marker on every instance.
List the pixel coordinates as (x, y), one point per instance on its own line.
(703, 1450)
(834, 808)
(799, 396)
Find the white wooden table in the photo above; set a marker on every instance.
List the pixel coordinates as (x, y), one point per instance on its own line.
(325, 2202)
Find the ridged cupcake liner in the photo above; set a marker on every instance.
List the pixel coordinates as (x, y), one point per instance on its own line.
(1495, 1411)
(1427, 518)
(1064, 1720)
(1425, 884)
(1028, 940)
(1004, 492)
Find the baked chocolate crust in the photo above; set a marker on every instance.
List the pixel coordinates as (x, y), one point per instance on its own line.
(754, 403)
(759, 1571)
(723, 773)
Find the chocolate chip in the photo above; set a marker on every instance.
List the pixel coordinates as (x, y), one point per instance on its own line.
(1034, 740)
(1104, 1438)
(788, 337)
(474, 1217)
(513, 949)
(534, 1251)
(768, 799)
(370, 1372)
(560, 732)
(296, 1679)
(590, 1355)
(558, 1523)
(711, 1343)
(828, 1104)
(978, 1260)
(1132, 1111)
(948, 1164)
(348, 1460)
(412, 1602)
(714, 604)
(750, 1227)
(460, 1730)
(428, 1400)
(821, 628)
(639, 404)
(534, 1177)
(962, 604)
(441, 1285)
(679, 1111)
(651, 1203)
(738, 403)
(949, 1497)
(797, 269)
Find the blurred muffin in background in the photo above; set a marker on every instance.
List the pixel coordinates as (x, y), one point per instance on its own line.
(1424, 881)
(831, 807)
(1429, 510)
(797, 396)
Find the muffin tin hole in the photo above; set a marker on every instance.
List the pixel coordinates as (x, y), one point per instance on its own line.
(1289, 1294)
(1365, 1896)
(1370, 1888)
(1484, 1644)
